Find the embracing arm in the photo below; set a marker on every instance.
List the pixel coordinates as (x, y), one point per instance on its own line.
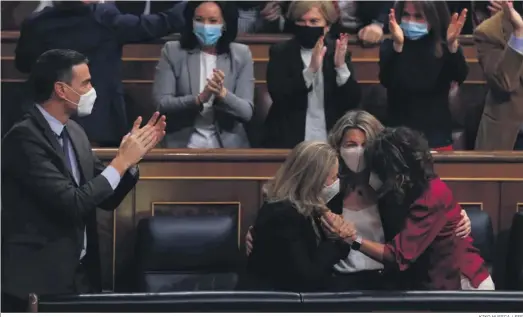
(240, 102)
(164, 87)
(422, 225)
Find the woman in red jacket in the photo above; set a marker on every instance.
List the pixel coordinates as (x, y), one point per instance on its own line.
(425, 251)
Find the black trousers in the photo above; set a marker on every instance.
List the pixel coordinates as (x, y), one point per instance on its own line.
(13, 304)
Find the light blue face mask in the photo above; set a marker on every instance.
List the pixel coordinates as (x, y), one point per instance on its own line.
(414, 30)
(208, 34)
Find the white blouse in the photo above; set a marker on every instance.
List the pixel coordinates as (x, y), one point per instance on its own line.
(205, 135)
(368, 224)
(315, 124)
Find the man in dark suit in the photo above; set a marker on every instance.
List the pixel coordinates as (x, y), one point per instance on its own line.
(53, 183)
(99, 31)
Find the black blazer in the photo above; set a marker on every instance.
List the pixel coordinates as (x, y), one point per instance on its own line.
(286, 255)
(44, 212)
(285, 123)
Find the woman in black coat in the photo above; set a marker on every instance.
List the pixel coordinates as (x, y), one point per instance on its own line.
(291, 249)
(309, 77)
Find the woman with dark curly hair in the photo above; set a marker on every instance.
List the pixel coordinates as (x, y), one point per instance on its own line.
(425, 251)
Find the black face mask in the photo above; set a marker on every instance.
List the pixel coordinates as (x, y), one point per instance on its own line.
(307, 36)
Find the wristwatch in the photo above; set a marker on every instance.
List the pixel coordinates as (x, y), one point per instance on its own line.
(356, 244)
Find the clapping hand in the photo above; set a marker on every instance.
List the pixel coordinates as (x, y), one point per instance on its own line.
(454, 29)
(514, 17)
(341, 50)
(139, 141)
(396, 32)
(215, 84)
(318, 52)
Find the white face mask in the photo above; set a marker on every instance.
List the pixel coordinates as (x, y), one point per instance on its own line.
(353, 158)
(375, 182)
(86, 102)
(328, 192)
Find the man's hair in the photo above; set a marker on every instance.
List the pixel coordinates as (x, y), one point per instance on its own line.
(401, 158)
(51, 67)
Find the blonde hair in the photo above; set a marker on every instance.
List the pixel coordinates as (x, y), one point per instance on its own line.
(298, 8)
(354, 119)
(302, 177)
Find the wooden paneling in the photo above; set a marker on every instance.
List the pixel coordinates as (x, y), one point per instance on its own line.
(511, 202)
(491, 181)
(139, 60)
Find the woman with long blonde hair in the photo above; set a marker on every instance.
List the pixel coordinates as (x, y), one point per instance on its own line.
(291, 250)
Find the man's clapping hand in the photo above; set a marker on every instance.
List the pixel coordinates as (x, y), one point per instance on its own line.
(139, 142)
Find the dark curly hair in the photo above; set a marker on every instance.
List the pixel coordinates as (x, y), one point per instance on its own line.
(189, 41)
(402, 160)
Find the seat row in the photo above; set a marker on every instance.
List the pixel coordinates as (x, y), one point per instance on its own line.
(461, 301)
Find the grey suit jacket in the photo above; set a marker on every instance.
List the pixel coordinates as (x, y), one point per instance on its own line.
(177, 83)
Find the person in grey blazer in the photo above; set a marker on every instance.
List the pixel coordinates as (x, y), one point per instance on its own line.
(204, 83)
